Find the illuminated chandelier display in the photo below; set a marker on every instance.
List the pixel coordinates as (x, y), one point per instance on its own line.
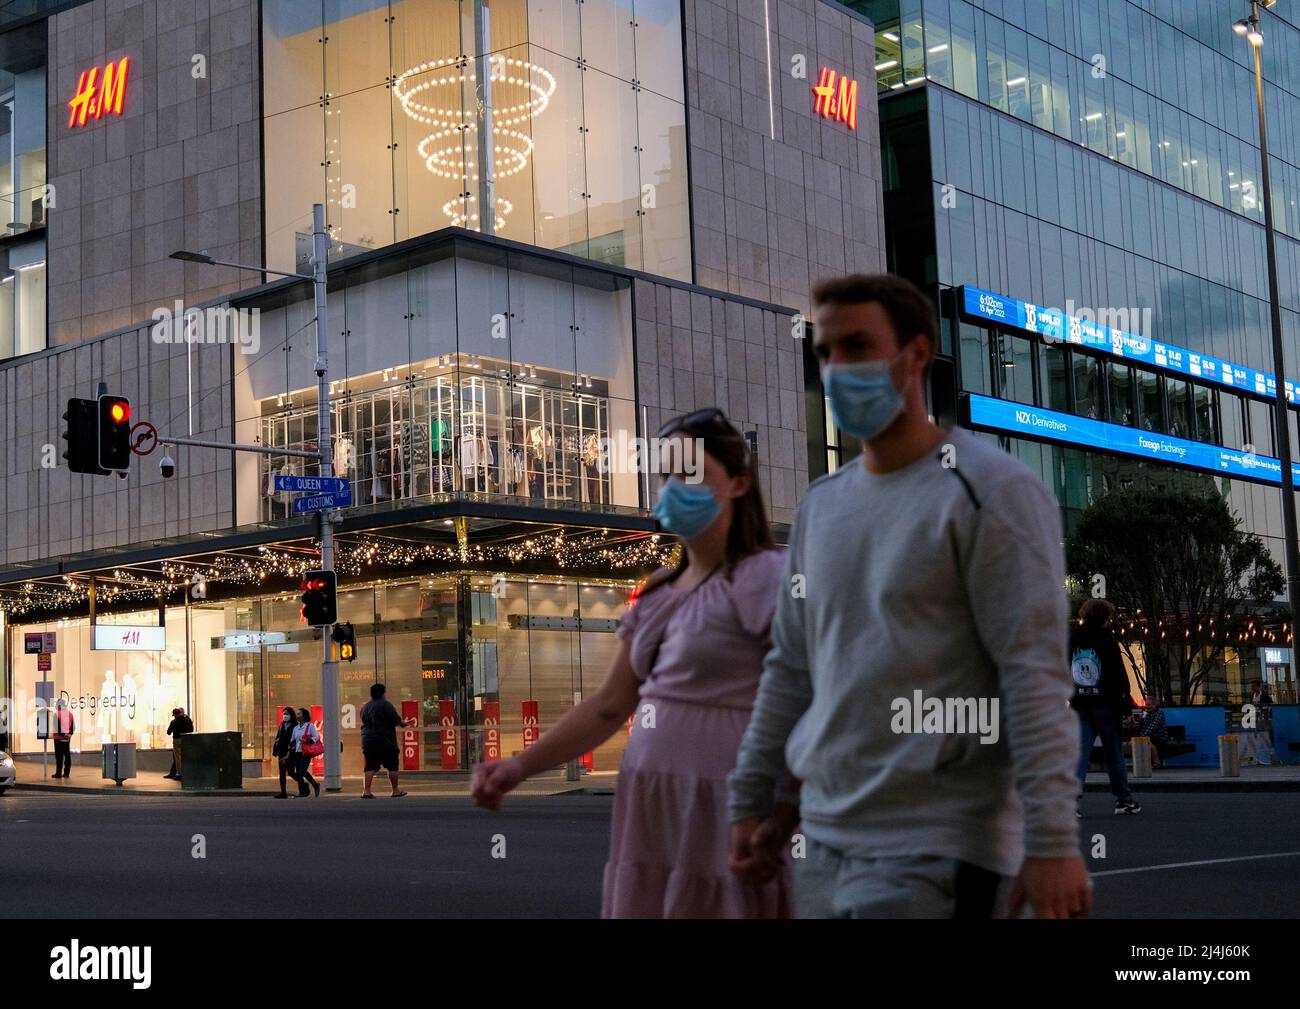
(430, 94)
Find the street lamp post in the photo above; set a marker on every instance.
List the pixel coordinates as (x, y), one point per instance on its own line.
(329, 669)
(1249, 28)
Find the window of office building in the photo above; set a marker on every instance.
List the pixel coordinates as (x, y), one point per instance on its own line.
(24, 198)
(563, 127)
(1119, 390)
(1031, 62)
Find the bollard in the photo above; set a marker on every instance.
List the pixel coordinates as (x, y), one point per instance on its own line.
(571, 772)
(1141, 757)
(1229, 757)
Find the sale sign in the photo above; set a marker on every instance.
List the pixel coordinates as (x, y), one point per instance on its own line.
(491, 730)
(450, 751)
(318, 761)
(410, 735)
(532, 725)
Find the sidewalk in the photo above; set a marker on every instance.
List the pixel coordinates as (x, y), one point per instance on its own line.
(440, 784)
(455, 784)
(1275, 778)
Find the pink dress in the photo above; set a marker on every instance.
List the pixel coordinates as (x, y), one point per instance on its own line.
(671, 835)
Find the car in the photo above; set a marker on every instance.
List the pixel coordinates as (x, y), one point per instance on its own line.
(8, 774)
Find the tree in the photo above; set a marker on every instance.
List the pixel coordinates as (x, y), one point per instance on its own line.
(1182, 571)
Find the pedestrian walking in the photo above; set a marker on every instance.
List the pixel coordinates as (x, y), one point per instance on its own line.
(926, 577)
(283, 749)
(691, 646)
(180, 725)
(1101, 699)
(307, 743)
(64, 726)
(379, 724)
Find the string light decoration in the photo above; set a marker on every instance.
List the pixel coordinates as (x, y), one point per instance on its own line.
(586, 550)
(429, 93)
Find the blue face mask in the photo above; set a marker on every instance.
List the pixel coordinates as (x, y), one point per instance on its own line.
(685, 511)
(863, 399)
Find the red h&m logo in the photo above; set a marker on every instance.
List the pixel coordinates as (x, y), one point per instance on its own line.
(98, 95)
(836, 101)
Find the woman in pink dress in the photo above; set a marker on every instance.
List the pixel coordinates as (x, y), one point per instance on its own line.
(690, 654)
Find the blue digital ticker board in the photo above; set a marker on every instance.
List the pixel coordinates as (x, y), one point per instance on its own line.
(1054, 325)
(1015, 418)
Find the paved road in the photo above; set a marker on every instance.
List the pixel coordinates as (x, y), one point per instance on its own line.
(92, 856)
(1177, 827)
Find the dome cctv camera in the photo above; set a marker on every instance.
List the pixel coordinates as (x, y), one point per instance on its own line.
(168, 466)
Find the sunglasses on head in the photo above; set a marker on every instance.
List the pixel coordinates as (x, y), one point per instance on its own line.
(712, 417)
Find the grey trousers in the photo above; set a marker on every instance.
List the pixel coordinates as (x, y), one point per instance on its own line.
(829, 884)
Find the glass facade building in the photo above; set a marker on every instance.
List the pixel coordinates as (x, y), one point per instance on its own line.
(1100, 159)
(382, 110)
(515, 305)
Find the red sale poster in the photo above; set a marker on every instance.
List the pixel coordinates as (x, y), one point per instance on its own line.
(318, 761)
(450, 751)
(491, 730)
(532, 724)
(410, 735)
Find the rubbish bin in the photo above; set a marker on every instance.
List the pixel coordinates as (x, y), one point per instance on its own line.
(119, 762)
(212, 760)
(1229, 757)
(1141, 756)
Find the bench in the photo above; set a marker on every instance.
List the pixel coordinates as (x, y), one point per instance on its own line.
(1175, 747)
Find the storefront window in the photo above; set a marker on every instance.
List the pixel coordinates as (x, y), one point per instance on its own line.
(453, 645)
(584, 102)
(488, 372)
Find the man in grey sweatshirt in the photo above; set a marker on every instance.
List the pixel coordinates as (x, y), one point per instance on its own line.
(918, 684)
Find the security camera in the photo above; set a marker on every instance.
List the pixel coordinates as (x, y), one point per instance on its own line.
(168, 466)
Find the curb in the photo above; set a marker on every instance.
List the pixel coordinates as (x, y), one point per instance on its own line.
(229, 793)
(183, 792)
(1142, 786)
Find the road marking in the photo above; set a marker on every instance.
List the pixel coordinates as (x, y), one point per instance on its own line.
(1187, 865)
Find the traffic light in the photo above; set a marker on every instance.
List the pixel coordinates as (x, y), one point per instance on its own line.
(114, 433)
(319, 598)
(346, 638)
(82, 434)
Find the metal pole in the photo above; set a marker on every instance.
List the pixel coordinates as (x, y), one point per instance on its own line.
(329, 669)
(1282, 413)
(486, 165)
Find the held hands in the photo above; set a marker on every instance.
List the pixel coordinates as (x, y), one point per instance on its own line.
(757, 842)
(1054, 888)
(491, 782)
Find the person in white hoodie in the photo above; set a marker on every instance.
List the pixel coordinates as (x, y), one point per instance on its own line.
(918, 684)
(305, 731)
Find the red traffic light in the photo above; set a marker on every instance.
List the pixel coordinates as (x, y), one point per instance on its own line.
(120, 411)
